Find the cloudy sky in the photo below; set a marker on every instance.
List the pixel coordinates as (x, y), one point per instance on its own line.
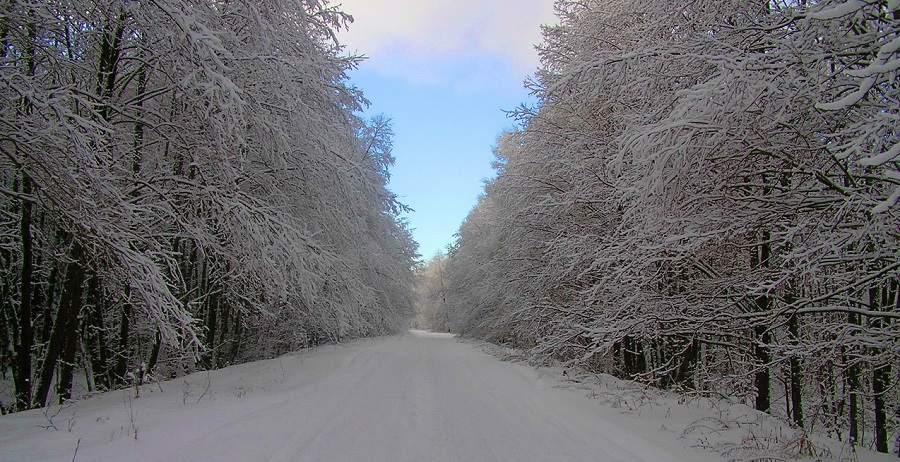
(445, 71)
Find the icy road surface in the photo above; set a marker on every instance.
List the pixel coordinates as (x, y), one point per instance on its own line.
(416, 397)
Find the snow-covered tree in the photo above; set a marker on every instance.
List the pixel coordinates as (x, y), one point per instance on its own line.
(187, 181)
(705, 197)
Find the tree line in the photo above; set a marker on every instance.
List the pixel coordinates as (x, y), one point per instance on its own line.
(183, 186)
(705, 198)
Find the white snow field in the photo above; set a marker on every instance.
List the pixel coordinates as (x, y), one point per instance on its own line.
(415, 397)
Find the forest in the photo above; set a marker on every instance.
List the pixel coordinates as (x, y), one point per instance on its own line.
(184, 186)
(704, 199)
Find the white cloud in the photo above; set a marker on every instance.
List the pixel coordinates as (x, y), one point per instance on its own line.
(417, 34)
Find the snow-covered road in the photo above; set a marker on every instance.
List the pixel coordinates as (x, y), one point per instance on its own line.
(416, 397)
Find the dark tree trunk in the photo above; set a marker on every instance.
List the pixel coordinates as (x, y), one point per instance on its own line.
(633, 357)
(66, 319)
(796, 367)
(236, 336)
(852, 389)
(47, 321)
(762, 378)
(224, 340)
(67, 363)
(22, 372)
(685, 374)
(209, 357)
(763, 338)
(884, 299)
(154, 354)
(95, 335)
(881, 379)
(121, 368)
(8, 335)
(110, 50)
(796, 377)
(42, 293)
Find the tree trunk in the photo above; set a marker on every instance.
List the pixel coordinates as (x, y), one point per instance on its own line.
(154, 354)
(687, 366)
(95, 335)
(209, 357)
(121, 368)
(47, 318)
(852, 389)
(236, 336)
(881, 379)
(885, 298)
(67, 363)
(66, 318)
(796, 379)
(633, 357)
(8, 335)
(110, 50)
(796, 368)
(22, 372)
(762, 379)
(222, 358)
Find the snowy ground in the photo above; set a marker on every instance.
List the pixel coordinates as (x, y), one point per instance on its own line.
(414, 397)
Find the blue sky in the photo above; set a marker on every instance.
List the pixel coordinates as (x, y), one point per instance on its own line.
(444, 71)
